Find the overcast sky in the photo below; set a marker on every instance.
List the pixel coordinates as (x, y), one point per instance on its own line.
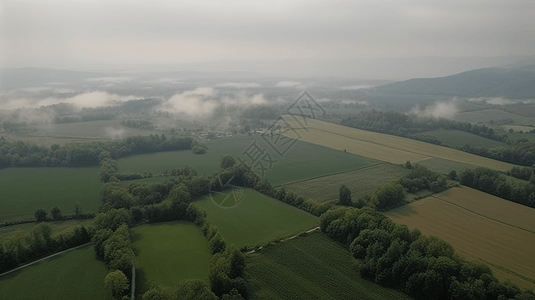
(62, 33)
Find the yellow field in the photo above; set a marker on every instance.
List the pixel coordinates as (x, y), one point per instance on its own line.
(389, 148)
(480, 227)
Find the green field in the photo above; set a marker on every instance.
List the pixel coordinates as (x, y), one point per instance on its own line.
(57, 227)
(457, 138)
(310, 267)
(93, 129)
(167, 253)
(302, 161)
(73, 275)
(444, 166)
(360, 182)
(256, 219)
(24, 190)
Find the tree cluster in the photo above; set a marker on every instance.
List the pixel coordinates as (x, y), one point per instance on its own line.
(520, 152)
(22, 247)
(495, 183)
(423, 267)
(421, 178)
(143, 124)
(260, 112)
(525, 173)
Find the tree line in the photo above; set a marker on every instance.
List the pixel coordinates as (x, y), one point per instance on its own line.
(495, 183)
(519, 152)
(24, 154)
(422, 267)
(24, 246)
(401, 124)
(123, 207)
(393, 194)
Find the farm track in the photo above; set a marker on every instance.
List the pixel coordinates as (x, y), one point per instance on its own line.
(287, 239)
(44, 258)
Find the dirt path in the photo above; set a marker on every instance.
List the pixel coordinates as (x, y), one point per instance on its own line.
(44, 258)
(287, 239)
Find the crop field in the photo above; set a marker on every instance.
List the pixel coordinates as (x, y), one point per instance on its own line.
(256, 219)
(360, 182)
(167, 253)
(480, 227)
(302, 161)
(310, 267)
(445, 166)
(63, 187)
(457, 138)
(57, 227)
(389, 148)
(73, 275)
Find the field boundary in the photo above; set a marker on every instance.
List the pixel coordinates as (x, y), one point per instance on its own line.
(282, 240)
(133, 286)
(375, 143)
(44, 258)
(337, 173)
(481, 215)
(504, 269)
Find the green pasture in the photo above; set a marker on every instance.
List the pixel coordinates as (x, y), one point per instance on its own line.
(73, 275)
(302, 161)
(256, 219)
(167, 253)
(24, 190)
(310, 267)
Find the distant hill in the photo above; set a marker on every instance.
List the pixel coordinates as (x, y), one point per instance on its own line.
(518, 83)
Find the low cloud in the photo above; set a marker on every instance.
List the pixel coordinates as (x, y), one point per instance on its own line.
(195, 103)
(116, 79)
(244, 100)
(355, 87)
(440, 109)
(114, 133)
(287, 84)
(499, 100)
(239, 85)
(90, 100)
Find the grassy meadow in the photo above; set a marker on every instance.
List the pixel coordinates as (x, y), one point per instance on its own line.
(302, 161)
(256, 219)
(389, 148)
(480, 227)
(24, 190)
(73, 275)
(310, 267)
(360, 182)
(167, 253)
(457, 138)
